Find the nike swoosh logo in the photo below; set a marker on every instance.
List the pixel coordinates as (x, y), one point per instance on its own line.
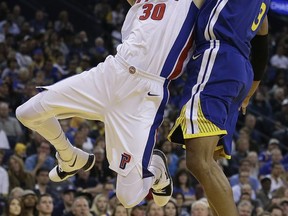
(194, 57)
(150, 94)
(73, 162)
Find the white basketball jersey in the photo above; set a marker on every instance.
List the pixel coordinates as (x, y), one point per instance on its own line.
(157, 36)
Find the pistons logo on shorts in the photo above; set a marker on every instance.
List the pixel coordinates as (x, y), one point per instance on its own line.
(125, 158)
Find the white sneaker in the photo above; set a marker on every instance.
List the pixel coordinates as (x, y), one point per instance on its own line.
(163, 187)
(66, 169)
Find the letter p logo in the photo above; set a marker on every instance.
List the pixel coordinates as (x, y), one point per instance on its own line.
(125, 158)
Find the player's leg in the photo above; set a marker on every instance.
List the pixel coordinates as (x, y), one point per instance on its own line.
(33, 115)
(65, 99)
(132, 189)
(138, 187)
(202, 165)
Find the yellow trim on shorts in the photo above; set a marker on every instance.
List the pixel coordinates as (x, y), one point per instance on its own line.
(206, 127)
(222, 153)
(179, 121)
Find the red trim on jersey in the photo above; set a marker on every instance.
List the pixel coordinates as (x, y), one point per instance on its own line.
(179, 65)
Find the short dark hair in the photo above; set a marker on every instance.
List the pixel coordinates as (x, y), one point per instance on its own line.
(41, 169)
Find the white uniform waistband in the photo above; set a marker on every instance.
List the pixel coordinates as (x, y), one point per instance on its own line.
(138, 72)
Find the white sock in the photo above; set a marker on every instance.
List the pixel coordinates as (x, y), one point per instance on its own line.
(63, 146)
(154, 169)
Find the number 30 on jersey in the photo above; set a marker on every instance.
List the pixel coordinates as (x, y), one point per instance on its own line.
(155, 12)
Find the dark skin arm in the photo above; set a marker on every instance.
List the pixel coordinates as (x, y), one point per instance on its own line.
(262, 31)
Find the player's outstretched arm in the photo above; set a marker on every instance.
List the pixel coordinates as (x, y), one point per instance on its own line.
(131, 2)
(259, 57)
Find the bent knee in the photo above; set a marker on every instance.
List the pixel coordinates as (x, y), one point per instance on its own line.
(27, 114)
(21, 114)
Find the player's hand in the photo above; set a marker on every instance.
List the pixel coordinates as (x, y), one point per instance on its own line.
(244, 105)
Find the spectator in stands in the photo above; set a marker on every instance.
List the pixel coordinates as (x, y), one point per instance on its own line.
(11, 70)
(154, 210)
(100, 205)
(276, 157)
(13, 207)
(63, 24)
(45, 205)
(180, 200)
(101, 169)
(284, 206)
(88, 144)
(182, 184)
(16, 192)
(260, 105)
(20, 150)
(276, 173)
(276, 99)
(39, 23)
(120, 210)
(18, 177)
(22, 56)
(16, 15)
(10, 125)
(243, 186)
(255, 137)
(246, 194)
(245, 166)
(98, 52)
(41, 159)
(38, 59)
(276, 210)
(171, 209)
(64, 205)
(80, 207)
(138, 211)
(241, 152)
(264, 194)
(279, 60)
(282, 116)
(42, 184)
(84, 181)
(265, 155)
(245, 208)
(29, 202)
(254, 163)
(10, 25)
(4, 183)
(200, 208)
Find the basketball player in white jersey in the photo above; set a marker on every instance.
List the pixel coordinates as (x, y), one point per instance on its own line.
(128, 92)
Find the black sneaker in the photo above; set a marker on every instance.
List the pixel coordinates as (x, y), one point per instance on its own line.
(66, 169)
(163, 187)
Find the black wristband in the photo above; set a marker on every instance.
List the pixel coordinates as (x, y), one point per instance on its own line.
(259, 55)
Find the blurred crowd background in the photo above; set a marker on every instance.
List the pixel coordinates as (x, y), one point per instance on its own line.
(43, 42)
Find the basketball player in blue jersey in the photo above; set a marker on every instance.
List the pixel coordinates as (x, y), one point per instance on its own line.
(221, 79)
(128, 92)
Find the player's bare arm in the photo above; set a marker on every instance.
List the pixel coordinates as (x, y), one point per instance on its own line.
(259, 57)
(131, 2)
(198, 3)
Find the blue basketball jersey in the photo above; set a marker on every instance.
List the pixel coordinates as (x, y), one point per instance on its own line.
(233, 21)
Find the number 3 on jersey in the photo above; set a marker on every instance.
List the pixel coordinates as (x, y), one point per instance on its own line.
(155, 12)
(259, 17)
